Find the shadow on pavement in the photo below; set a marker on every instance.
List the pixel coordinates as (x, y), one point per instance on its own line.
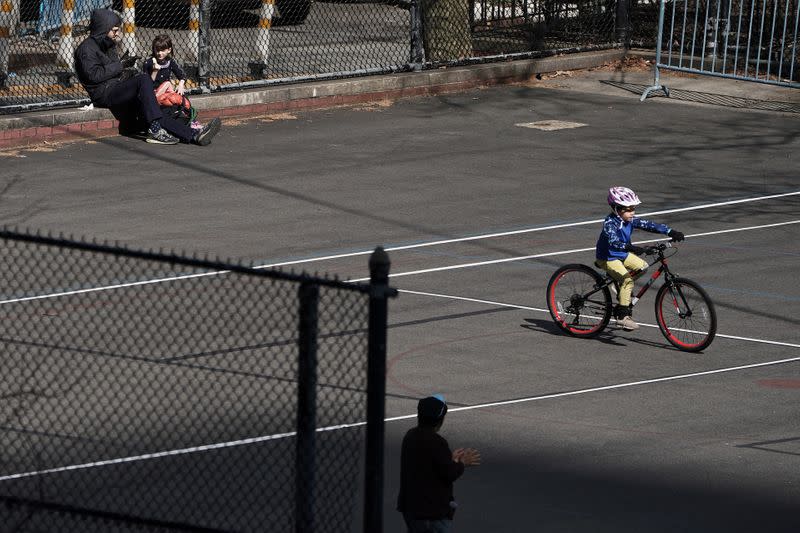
(709, 98)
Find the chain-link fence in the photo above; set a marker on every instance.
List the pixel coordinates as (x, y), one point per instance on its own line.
(154, 392)
(223, 44)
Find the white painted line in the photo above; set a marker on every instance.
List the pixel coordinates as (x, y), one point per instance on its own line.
(254, 440)
(395, 275)
(563, 252)
(620, 385)
(550, 125)
(542, 310)
(525, 230)
(111, 287)
(420, 245)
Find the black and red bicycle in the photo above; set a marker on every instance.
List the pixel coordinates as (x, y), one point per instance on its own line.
(580, 302)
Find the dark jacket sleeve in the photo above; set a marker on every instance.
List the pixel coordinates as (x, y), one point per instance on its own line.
(147, 66)
(95, 66)
(443, 463)
(177, 70)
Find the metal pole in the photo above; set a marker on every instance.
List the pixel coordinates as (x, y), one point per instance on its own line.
(376, 390)
(305, 452)
(623, 23)
(204, 46)
(657, 81)
(417, 50)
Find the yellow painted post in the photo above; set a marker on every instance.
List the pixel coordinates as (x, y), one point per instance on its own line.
(6, 23)
(66, 42)
(259, 67)
(194, 28)
(129, 27)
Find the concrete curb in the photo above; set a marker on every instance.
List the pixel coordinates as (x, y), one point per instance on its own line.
(69, 125)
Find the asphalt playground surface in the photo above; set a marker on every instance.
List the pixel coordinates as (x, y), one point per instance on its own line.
(477, 207)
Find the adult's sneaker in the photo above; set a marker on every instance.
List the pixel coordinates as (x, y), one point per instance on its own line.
(161, 137)
(204, 136)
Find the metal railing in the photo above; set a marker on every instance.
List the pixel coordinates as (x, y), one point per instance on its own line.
(753, 40)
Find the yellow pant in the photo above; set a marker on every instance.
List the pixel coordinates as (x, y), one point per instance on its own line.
(619, 271)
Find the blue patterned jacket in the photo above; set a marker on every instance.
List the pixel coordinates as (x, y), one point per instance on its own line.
(616, 236)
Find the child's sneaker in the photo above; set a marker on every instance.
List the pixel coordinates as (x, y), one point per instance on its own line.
(627, 323)
(204, 136)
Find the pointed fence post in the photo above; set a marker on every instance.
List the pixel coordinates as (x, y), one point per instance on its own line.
(376, 389)
(305, 452)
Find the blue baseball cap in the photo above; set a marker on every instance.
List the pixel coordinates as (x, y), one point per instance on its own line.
(432, 407)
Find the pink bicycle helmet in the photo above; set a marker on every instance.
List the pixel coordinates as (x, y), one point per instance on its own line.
(622, 196)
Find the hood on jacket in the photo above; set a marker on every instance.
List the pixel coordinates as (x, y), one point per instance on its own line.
(101, 22)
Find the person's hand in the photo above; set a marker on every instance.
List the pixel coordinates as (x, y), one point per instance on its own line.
(638, 250)
(467, 456)
(676, 236)
(181, 88)
(156, 66)
(127, 60)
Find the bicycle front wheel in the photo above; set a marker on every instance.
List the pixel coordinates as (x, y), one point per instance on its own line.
(686, 315)
(579, 302)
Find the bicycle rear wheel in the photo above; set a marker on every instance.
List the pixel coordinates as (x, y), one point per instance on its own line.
(686, 315)
(578, 301)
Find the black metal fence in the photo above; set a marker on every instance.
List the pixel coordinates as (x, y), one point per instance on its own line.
(149, 392)
(223, 44)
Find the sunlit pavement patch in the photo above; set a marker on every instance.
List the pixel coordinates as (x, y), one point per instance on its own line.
(780, 383)
(550, 125)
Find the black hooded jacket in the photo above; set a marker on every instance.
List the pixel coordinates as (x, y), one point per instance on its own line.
(97, 64)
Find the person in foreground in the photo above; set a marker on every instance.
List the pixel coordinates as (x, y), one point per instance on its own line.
(428, 469)
(616, 255)
(115, 84)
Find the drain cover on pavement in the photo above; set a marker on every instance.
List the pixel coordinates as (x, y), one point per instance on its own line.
(550, 125)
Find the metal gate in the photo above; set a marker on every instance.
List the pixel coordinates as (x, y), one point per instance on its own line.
(754, 40)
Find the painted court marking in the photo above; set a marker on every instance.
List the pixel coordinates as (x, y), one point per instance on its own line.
(564, 252)
(550, 125)
(278, 436)
(242, 442)
(540, 310)
(436, 243)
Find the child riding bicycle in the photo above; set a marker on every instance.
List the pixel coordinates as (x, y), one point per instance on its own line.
(616, 255)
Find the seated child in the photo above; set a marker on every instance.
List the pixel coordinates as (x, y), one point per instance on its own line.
(162, 68)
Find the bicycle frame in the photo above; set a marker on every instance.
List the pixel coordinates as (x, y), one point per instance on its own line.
(663, 268)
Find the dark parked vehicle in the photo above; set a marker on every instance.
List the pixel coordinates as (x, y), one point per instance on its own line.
(174, 14)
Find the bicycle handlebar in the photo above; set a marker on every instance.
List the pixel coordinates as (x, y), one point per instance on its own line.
(660, 247)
